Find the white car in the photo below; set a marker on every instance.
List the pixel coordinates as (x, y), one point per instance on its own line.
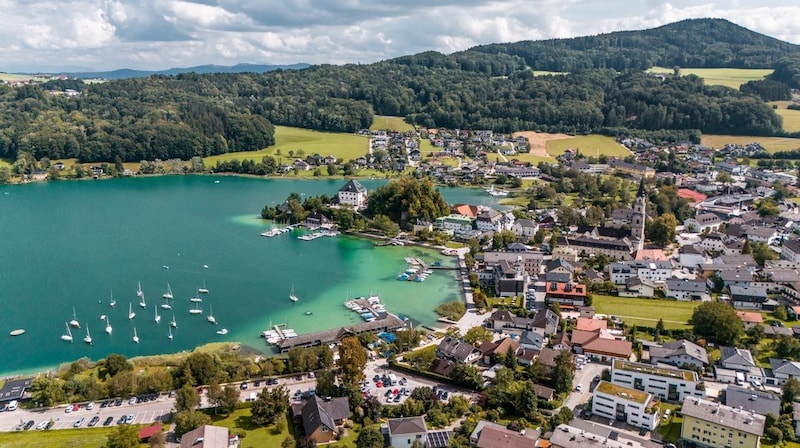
(42, 424)
(579, 388)
(90, 406)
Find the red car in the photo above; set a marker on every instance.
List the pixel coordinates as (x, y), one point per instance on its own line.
(379, 384)
(75, 407)
(396, 392)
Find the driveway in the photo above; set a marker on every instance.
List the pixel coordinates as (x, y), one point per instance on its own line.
(584, 378)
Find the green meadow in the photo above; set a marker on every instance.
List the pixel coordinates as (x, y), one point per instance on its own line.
(771, 144)
(589, 145)
(381, 122)
(729, 77)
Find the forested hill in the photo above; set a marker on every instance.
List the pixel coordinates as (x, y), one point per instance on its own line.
(199, 115)
(711, 43)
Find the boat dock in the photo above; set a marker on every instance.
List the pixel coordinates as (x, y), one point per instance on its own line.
(369, 308)
(386, 322)
(278, 230)
(318, 234)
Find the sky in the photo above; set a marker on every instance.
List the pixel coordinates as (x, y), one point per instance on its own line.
(64, 35)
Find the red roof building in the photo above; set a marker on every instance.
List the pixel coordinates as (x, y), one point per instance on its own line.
(148, 431)
(691, 195)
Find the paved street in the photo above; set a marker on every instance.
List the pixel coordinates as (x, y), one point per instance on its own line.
(584, 378)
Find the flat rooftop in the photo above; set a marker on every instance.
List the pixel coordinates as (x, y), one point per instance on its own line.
(623, 392)
(686, 375)
(14, 389)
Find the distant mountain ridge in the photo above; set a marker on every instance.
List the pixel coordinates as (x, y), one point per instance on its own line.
(697, 43)
(126, 73)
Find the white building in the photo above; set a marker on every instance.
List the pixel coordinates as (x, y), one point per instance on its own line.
(525, 227)
(664, 383)
(651, 271)
(791, 250)
(403, 432)
(454, 223)
(703, 222)
(354, 194)
(687, 290)
(620, 403)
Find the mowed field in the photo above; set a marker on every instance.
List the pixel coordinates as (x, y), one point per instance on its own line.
(589, 145)
(342, 146)
(645, 312)
(771, 144)
(729, 77)
(62, 438)
(392, 123)
(791, 119)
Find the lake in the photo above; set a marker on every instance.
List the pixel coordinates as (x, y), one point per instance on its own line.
(74, 244)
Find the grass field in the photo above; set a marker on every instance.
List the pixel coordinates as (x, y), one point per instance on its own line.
(342, 146)
(730, 77)
(772, 144)
(533, 159)
(589, 145)
(791, 119)
(62, 438)
(645, 312)
(14, 77)
(391, 123)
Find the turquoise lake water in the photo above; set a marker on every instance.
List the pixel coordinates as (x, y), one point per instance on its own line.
(70, 244)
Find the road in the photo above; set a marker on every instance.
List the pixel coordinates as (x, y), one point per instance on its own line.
(584, 378)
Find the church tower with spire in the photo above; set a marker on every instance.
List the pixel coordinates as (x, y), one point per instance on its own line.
(639, 217)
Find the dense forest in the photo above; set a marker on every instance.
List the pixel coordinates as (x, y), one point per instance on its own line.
(164, 117)
(709, 43)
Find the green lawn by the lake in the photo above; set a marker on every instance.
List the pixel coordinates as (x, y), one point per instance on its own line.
(645, 312)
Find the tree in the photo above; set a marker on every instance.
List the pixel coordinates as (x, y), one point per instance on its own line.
(115, 363)
(563, 372)
(288, 442)
(407, 200)
(780, 313)
(661, 230)
(477, 334)
(762, 252)
(718, 322)
(125, 436)
(774, 435)
(47, 391)
(158, 440)
(746, 249)
(188, 420)
(790, 390)
(325, 382)
(269, 404)
(370, 437)
(227, 400)
(187, 398)
(352, 360)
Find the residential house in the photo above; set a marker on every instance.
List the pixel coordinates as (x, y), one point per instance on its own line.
(559, 265)
(732, 276)
(567, 294)
(547, 321)
(456, 350)
(616, 248)
(735, 358)
(561, 342)
(353, 194)
(599, 346)
(631, 406)
(491, 350)
(531, 261)
(652, 271)
(525, 228)
(206, 436)
(301, 165)
(747, 296)
(750, 318)
(493, 437)
(752, 400)
(782, 370)
(709, 424)
(323, 418)
(591, 324)
(737, 366)
(679, 353)
(510, 280)
(703, 222)
(547, 358)
(504, 320)
(317, 219)
(687, 290)
(759, 234)
(405, 431)
(454, 223)
(533, 340)
(636, 287)
(665, 383)
(790, 250)
(489, 221)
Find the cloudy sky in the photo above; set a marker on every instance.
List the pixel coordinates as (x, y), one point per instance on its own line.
(52, 35)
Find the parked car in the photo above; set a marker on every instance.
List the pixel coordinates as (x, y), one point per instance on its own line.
(50, 424)
(29, 425)
(579, 388)
(79, 422)
(130, 418)
(243, 386)
(108, 421)
(118, 402)
(90, 406)
(133, 400)
(121, 420)
(42, 424)
(172, 394)
(257, 383)
(94, 421)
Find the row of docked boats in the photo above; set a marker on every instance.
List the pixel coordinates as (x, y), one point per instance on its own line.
(167, 296)
(368, 308)
(276, 335)
(318, 234)
(277, 231)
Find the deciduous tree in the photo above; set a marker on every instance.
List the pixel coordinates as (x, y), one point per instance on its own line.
(352, 360)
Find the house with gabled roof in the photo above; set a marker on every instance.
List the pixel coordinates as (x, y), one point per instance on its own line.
(353, 194)
(679, 353)
(405, 431)
(456, 350)
(322, 419)
(782, 370)
(498, 348)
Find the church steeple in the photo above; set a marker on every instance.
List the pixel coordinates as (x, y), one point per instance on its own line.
(642, 191)
(639, 216)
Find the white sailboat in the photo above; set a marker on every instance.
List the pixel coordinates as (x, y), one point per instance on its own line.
(173, 323)
(196, 309)
(108, 326)
(139, 292)
(142, 302)
(135, 336)
(222, 332)
(88, 338)
(196, 298)
(169, 334)
(168, 295)
(131, 314)
(203, 290)
(111, 302)
(210, 316)
(74, 322)
(166, 306)
(293, 297)
(158, 318)
(67, 337)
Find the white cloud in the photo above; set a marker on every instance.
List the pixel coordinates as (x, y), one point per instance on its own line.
(152, 34)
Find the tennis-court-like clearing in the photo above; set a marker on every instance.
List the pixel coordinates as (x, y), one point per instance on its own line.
(771, 144)
(729, 77)
(645, 312)
(381, 122)
(340, 145)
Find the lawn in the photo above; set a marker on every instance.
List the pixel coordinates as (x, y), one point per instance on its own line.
(771, 144)
(671, 429)
(791, 119)
(589, 145)
(61, 438)
(531, 158)
(6, 163)
(14, 77)
(392, 123)
(341, 145)
(645, 312)
(730, 77)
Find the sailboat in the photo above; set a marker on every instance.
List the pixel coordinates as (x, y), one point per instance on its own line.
(135, 336)
(222, 332)
(168, 294)
(172, 323)
(211, 317)
(196, 309)
(158, 318)
(108, 326)
(139, 292)
(111, 302)
(166, 306)
(203, 290)
(74, 322)
(142, 302)
(67, 337)
(88, 338)
(169, 334)
(131, 314)
(293, 297)
(196, 298)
